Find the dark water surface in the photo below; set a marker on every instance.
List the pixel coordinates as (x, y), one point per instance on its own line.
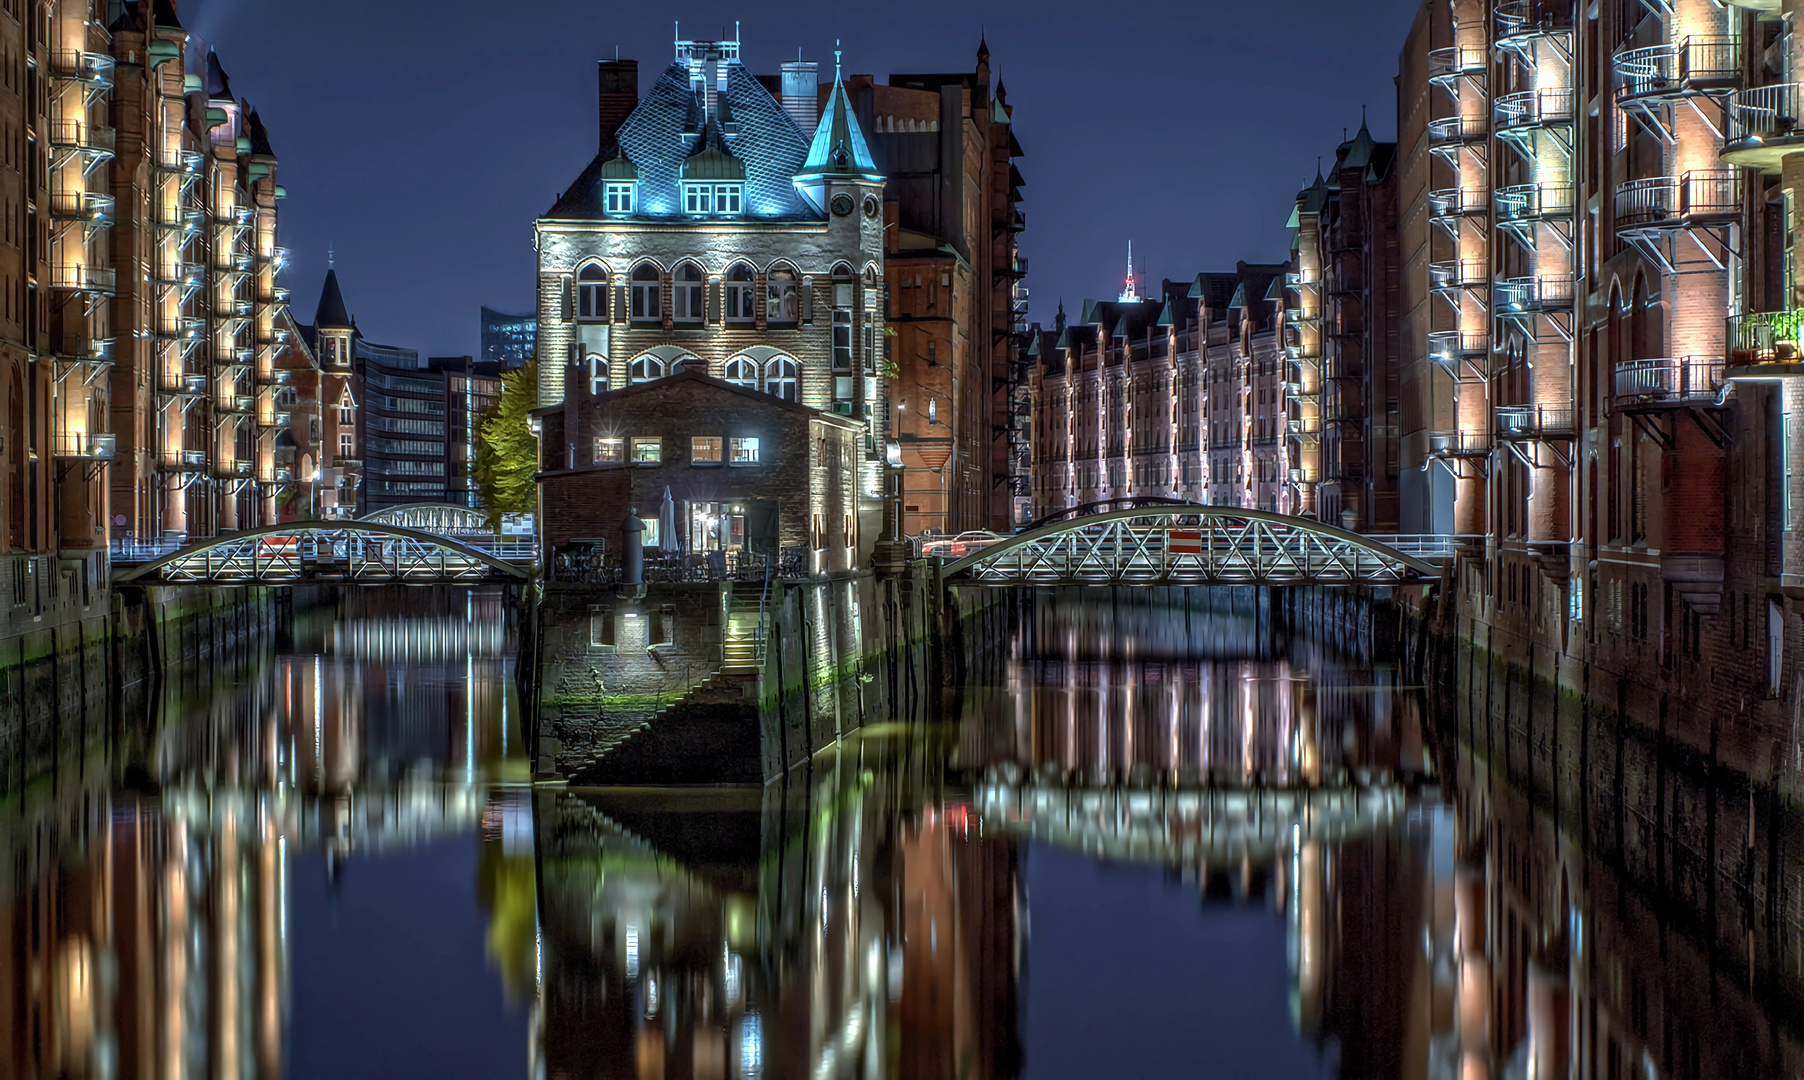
(1152, 843)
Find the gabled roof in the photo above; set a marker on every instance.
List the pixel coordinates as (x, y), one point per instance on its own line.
(839, 148)
(712, 162)
(655, 142)
(332, 314)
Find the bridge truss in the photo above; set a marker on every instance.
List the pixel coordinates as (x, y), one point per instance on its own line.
(1192, 544)
(354, 552)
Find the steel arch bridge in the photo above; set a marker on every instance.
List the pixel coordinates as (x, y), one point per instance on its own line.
(354, 552)
(1190, 544)
(446, 519)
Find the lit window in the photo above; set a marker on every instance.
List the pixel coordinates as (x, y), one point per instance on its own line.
(727, 198)
(743, 371)
(592, 293)
(705, 450)
(647, 293)
(698, 198)
(741, 296)
(609, 451)
(686, 294)
(745, 451)
(781, 378)
(648, 450)
(780, 301)
(619, 197)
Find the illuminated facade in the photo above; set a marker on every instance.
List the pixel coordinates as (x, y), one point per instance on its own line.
(722, 223)
(1178, 395)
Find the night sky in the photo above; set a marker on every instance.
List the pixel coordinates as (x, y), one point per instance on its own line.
(420, 139)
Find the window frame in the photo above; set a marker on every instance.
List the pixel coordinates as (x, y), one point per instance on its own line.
(739, 296)
(698, 198)
(646, 295)
(735, 368)
(697, 450)
(647, 362)
(619, 196)
(609, 450)
(783, 373)
(790, 283)
(638, 442)
(733, 193)
(737, 444)
(592, 294)
(688, 296)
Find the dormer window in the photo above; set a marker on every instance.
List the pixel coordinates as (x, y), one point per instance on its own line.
(618, 196)
(711, 199)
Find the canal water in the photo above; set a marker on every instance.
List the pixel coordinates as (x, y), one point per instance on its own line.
(1151, 841)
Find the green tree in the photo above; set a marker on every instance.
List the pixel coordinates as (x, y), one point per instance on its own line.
(507, 455)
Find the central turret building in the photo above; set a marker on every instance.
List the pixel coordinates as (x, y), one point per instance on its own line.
(722, 224)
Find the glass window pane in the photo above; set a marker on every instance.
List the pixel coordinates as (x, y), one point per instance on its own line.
(647, 450)
(745, 450)
(705, 449)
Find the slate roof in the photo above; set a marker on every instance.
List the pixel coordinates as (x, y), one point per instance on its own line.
(332, 314)
(259, 136)
(657, 139)
(839, 148)
(219, 86)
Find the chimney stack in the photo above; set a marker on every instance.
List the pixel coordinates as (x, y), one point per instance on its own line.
(619, 94)
(801, 94)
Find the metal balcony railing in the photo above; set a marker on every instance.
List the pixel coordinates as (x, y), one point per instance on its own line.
(1456, 345)
(235, 404)
(1304, 425)
(1305, 476)
(82, 135)
(187, 461)
(1534, 108)
(1763, 123)
(1765, 337)
(234, 470)
(1459, 444)
(182, 384)
(1532, 294)
(1531, 422)
(1457, 61)
(1459, 273)
(1521, 18)
(1672, 379)
(1456, 130)
(86, 445)
(1299, 278)
(1696, 65)
(88, 67)
(1534, 202)
(94, 279)
(180, 161)
(82, 206)
(1699, 196)
(1457, 202)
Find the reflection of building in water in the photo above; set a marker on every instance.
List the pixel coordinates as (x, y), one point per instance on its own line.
(822, 928)
(143, 933)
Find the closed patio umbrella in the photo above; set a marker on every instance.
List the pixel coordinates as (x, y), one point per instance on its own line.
(668, 538)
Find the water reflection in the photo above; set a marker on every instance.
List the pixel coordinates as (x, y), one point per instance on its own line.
(871, 917)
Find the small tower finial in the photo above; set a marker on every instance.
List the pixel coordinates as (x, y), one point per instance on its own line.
(836, 55)
(329, 259)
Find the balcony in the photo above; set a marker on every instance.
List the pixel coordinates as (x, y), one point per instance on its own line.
(1694, 67)
(1457, 202)
(90, 279)
(1669, 381)
(1534, 423)
(1534, 202)
(180, 219)
(182, 384)
(234, 470)
(235, 404)
(1771, 7)
(85, 206)
(1303, 395)
(278, 419)
(1521, 19)
(1456, 62)
(1528, 295)
(1305, 476)
(1763, 126)
(1457, 131)
(1534, 109)
(184, 461)
(1765, 345)
(1305, 427)
(1453, 345)
(1459, 444)
(1452, 274)
(180, 162)
(95, 69)
(184, 329)
(237, 262)
(85, 446)
(1299, 278)
(1699, 198)
(81, 136)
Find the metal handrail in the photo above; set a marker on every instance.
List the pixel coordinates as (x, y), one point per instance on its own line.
(1535, 293)
(82, 135)
(1457, 202)
(1677, 67)
(1534, 108)
(1459, 444)
(1699, 193)
(1459, 273)
(1533, 202)
(1673, 378)
(86, 445)
(1535, 421)
(1457, 129)
(1765, 337)
(1451, 343)
(1762, 114)
(85, 278)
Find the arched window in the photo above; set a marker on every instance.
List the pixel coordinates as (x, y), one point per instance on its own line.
(592, 293)
(686, 294)
(743, 371)
(781, 302)
(645, 369)
(647, 293)
(781, 378)
(741, 297)
(598, 374)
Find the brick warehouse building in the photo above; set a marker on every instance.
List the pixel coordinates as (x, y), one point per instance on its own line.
(720, 224)
(748, 472)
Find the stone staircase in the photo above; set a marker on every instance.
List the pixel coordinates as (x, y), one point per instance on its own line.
(741, 649)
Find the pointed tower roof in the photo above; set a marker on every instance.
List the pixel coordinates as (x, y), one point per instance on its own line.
(1359, 151)
(839, 148)
(219, 86)
(332, 314)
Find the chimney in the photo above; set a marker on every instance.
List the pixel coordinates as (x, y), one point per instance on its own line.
(619, 94)
(801, 94)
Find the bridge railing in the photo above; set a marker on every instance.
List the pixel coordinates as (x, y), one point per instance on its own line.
(519, 550)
